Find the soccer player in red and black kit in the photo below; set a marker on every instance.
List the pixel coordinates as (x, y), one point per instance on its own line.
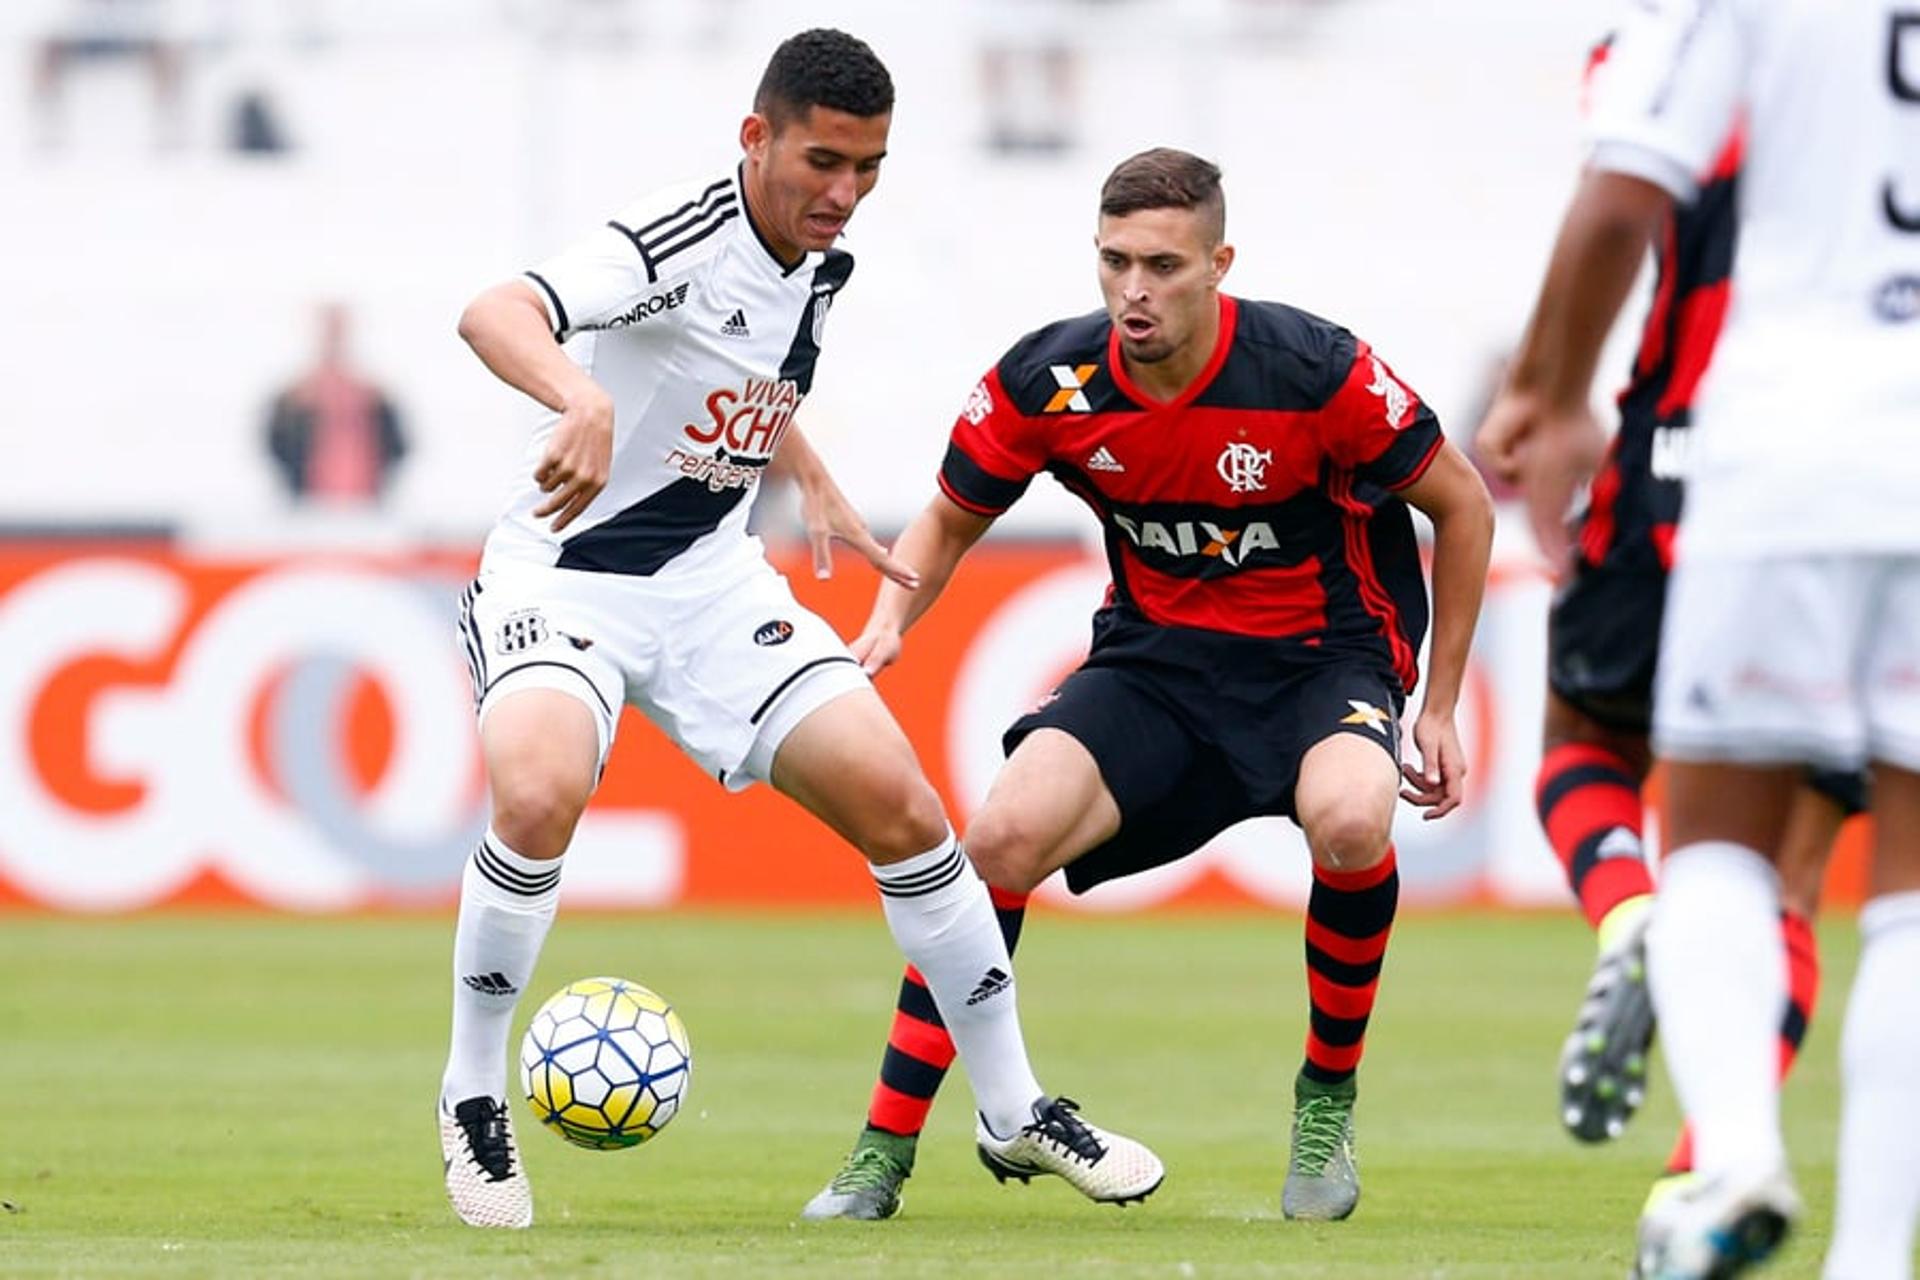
(1603, 641)
(1251, 467)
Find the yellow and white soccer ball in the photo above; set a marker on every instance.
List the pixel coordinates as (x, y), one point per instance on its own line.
(605, 1063)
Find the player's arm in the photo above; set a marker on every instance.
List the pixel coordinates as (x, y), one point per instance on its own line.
(509, 329)
(1453, 496)
(1660, 108)
(933, 545)
(1540, 432)
(827, 513)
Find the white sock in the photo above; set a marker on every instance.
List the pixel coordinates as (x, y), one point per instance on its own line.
(938, 908)
(1718, 972)
(1879, 1197)
(506, 903)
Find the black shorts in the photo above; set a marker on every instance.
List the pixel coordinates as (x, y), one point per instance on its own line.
(1194, 731)
(1603, 643)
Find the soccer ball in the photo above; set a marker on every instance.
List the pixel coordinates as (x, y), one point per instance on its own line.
(605, 1063)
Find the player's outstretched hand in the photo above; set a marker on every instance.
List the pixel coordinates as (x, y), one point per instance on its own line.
(573, 470)
(828, 516)
(1549, 453)
(876, 648)
(1504, 432)
(1438, 783)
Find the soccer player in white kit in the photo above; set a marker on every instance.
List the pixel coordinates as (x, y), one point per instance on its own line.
(671, 348)
(1792, 633)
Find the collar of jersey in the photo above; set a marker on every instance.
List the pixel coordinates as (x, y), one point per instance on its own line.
(1223, 343)
(746, 216)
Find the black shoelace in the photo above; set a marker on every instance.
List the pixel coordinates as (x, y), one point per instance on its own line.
(1057, 1123)
(484, 1121)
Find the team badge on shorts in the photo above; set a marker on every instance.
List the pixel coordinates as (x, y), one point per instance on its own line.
(520, 630)
(779, 631)
(1369, 715)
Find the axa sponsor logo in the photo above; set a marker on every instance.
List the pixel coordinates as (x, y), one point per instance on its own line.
(779, 631)
(649, 307)
(749, 420)
(1199, 538)
(1071, 379)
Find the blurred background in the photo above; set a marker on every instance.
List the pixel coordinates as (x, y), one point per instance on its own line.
(246, 462)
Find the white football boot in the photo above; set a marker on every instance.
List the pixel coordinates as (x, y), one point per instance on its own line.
(1104, 1167)
(485, 1180)
(1716, 1228)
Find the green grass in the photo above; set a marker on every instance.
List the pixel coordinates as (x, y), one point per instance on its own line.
(244, 1096)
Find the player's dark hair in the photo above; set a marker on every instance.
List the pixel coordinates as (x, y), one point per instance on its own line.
(823, 68)
(1165, 178)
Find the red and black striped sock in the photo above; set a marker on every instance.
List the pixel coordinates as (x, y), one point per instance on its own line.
(919, 1050)
(1803, 993)
(1589, 805)
(1349, 915)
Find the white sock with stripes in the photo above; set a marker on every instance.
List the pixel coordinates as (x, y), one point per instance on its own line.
(938, 908)
(506, 904)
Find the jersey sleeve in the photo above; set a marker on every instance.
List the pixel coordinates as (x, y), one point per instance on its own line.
(994, 451)
(1377, 427)
(607, 280)
(1663, 102)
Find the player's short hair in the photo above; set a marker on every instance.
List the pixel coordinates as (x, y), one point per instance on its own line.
(823, 68)
(1166, 178)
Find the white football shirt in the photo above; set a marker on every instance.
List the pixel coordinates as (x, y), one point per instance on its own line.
(706, 344)
(1809, 417)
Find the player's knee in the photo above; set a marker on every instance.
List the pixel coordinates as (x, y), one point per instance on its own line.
(908, 819)
(535, 813)
(1005, 853)
(1350, 837)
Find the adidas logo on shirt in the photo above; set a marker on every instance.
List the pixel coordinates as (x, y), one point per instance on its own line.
(1102, 460)
(992, 984)
(736, 325)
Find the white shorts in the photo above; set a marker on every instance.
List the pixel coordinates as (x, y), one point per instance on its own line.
(726, 667)
(1801, 659)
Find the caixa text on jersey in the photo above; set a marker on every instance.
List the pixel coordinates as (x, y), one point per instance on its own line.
(749, 420)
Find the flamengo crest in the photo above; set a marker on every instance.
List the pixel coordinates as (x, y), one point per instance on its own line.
(1244, 467)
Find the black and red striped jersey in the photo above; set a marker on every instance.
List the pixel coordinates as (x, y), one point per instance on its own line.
(1260, 502)
(1634, 505)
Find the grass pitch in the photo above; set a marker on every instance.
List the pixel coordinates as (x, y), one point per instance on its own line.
(250, 1096)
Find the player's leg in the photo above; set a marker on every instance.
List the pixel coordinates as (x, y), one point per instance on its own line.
(1755, 666)
(1344, 800)
(1879, 1192)
(1053, 782)
(546, 722)
(1879, 1175)
(918, 1054)
(1587, 795)
(849, 764)
(1813, 824)
(1602, 648)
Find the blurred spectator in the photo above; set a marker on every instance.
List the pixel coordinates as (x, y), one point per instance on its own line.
(334, 435)
(1029, 70)
(106, 31)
